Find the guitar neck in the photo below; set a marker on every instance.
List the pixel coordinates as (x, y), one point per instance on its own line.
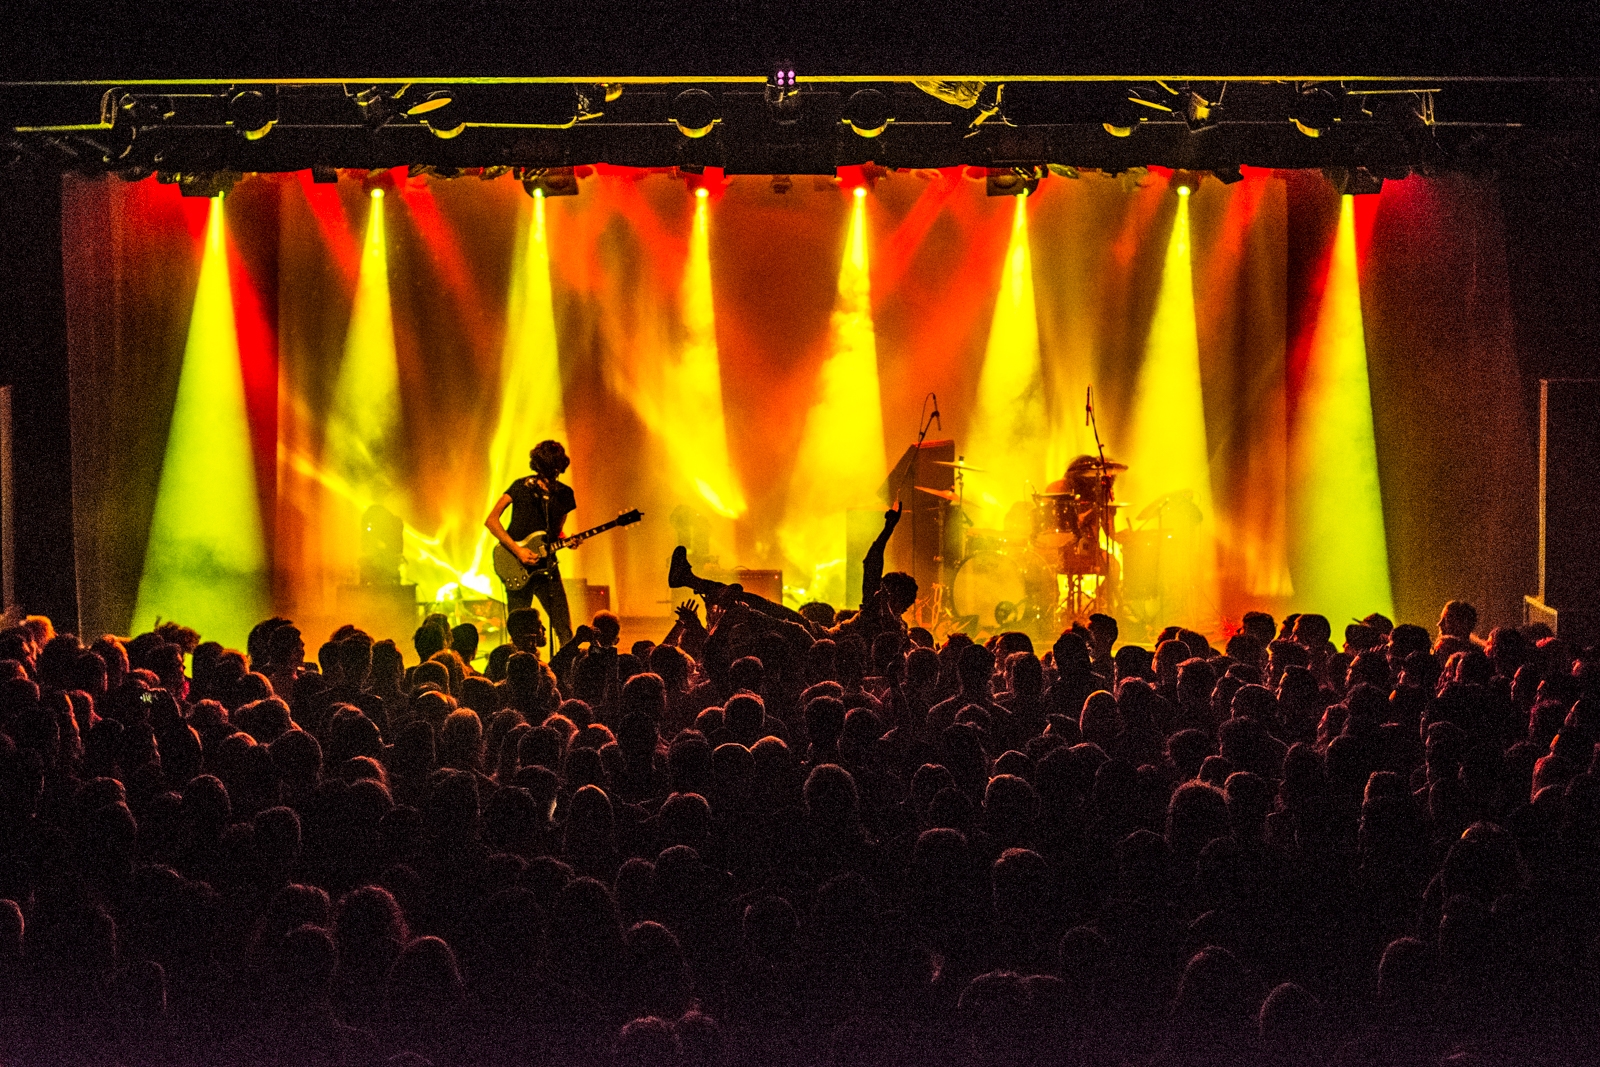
(584, 535)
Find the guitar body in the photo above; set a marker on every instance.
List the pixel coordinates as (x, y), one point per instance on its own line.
(515, 574)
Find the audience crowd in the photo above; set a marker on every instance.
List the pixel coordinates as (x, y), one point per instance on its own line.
(801, 838)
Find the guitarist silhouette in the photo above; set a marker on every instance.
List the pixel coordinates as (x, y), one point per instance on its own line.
(538, 503)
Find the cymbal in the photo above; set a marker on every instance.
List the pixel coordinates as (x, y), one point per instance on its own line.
(957, 466)
(1055, 496)
(942, 494)
(1096, 465)
(1182, 496)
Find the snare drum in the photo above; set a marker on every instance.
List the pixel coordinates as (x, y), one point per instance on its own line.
(1055, 521)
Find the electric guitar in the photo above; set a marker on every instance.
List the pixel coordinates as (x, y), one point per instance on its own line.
(515, 573)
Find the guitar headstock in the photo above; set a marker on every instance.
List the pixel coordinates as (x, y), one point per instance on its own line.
(628, 518)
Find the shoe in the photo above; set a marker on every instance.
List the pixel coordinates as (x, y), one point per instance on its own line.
(679, 573)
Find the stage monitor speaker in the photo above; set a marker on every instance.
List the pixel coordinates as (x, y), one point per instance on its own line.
(763, 583)
(384, 611)
(1569, 509)
(929, 526)
(585, 601)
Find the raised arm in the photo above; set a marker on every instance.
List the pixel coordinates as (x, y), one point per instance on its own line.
(872, 566)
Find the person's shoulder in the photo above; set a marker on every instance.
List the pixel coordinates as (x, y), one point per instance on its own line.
(517, 488)
(564, 492)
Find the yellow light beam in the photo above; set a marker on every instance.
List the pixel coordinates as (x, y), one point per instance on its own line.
(1009, 436)
(363, 432)
(1341, 560)
(841, 462)
(1167, 450)
(699, 447)
(205, 562)
(531, 402)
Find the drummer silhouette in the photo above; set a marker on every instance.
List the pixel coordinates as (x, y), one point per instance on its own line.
(1072, 511)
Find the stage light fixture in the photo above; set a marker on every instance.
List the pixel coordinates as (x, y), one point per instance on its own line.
(1013, 181)
(988, 108)
(253, 113)
(1198, 112)
(867, 112)
(549, 181)
(207, 184)
(1229, 174)
(324, 175)
(373, 104)
(440, 113)
(1186, 181)
(782, 183)
(782, 93)
(1316, 109)
(1130, 109)
(1353, 181)
(694, 112)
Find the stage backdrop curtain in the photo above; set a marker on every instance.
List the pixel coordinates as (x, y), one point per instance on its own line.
(1454, 434)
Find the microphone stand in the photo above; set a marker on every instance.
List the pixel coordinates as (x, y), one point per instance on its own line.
(910, 475)
(1103, 499)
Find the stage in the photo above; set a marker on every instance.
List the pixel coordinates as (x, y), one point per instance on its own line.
(743, 359)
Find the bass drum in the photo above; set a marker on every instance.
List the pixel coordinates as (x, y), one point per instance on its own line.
(1002, 591)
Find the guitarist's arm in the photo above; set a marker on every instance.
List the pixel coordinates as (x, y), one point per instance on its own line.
(494, 526)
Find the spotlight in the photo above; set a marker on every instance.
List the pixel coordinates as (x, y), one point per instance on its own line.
(867, 112)
(701, 193)
(253, 113)
(374, 105)
(694, 112)
(1186, 181)
(1198, 112)
(1353, 181)
(550, 181)
(440, 113)
(1062, 170)
(1316, 109)
(377, 194)
(1137, 105)
(1229, 174)
(1015, 181)
(210, 184)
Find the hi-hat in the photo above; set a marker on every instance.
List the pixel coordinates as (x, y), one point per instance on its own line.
(942, 494)
(957, 466)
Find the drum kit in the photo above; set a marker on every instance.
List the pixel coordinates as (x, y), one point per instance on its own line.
(1050, 563)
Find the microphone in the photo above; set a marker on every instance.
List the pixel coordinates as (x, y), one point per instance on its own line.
(936, 418)
(1088, 404)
